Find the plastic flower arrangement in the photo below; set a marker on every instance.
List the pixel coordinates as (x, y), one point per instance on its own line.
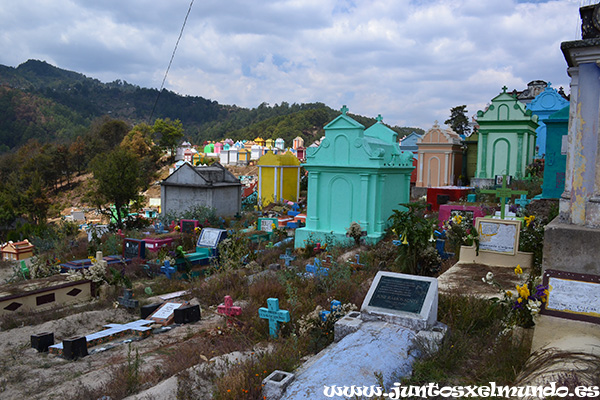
(525, 304)
(460, 232)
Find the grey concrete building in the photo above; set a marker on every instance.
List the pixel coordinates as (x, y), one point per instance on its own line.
(211, 186)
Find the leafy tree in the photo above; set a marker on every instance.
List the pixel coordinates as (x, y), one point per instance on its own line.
(170, 133)
(458, 121)
(118, 180)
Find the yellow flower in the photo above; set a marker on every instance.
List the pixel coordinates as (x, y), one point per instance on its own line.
(273, 226)
(509, 294)
(518, 270)
(529, 220)
(457, 219)
(523, 291)
(519, 300)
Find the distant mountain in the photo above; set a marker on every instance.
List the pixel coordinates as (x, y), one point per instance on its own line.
(41, 101)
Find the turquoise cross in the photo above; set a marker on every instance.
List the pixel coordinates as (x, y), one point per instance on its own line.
(274, 315)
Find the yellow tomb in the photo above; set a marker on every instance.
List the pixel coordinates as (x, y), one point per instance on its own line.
(278, 177)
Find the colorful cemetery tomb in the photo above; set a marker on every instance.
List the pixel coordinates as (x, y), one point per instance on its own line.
(506, 129)
(317, 269)
(437, 196)
(471, 198)
(287, 257)
(15, 251)
(76, 265)
(228, 309)
(409, 143)
(127, 299)
(280, 144)
(110, 333)
(188, 225)
(260, 141)
(440, 157)
(164, 315)
(243, 157)
(283, 221)
(555, 162)
(498, 245)
(41, 341)
(274, 315)
(544, 105)
(278, 178)
(267, 224)
(504, 193)
(154, 245)
(206, 247)
(470, 213)
(210, 186)
(42, 294)
(354, 175)
(297, 143)
(187, 314)
(256, 151)
(336, 305)
(270, 144)
(134, 248)
(218, 147)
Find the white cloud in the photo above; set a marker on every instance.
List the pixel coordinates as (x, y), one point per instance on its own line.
(409, 60)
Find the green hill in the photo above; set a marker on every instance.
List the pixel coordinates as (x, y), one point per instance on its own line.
(43, 102)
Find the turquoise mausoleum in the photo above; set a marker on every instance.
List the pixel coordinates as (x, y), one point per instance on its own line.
(355, 175)
(544, 105)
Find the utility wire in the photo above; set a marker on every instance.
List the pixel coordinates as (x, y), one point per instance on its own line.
(162, 85)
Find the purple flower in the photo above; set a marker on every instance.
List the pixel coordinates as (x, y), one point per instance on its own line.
(513, 208)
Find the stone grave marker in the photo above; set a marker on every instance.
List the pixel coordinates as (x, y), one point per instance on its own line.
(503, 194)
(572, 295)
(274, 315)
(164, 314)
(498, 236)
(41, 341)
(266, 224)
(406, 300)
(167, 269)
(187, 314)
(228, 309)
(335, 306)
(287, 257)
(134, 248)
(127, 299)
(317, 269)
(188, 225)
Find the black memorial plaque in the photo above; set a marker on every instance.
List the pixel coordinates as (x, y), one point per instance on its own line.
(400, 294)
(188, 225)
(134, 248)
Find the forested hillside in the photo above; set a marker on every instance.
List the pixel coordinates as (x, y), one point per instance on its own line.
(49, 104)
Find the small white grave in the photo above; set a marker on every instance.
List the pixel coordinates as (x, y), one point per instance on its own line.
(396, 324)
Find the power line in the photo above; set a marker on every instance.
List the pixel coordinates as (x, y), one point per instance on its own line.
(162, 85)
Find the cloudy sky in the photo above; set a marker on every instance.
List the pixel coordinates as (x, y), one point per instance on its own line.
(409, 60)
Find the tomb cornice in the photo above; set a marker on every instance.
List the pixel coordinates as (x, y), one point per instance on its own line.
(577, 52)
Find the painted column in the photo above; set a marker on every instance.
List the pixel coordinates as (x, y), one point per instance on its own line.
(281, 182)
(519, 171)
(364, 202)
(298, 186)
(275, 188)
(446, 167)
(420, 173)
(379, 223)
(565, 198)
(312, 218)
(483, 154)
(260, 183)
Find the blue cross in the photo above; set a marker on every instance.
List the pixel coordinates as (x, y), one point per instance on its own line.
(167, 269)
(523, 201)
(344, 109)
(317, 269)
(274, 315)
(335, 306)
(288, 257)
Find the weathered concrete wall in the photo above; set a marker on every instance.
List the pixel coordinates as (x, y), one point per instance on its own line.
(571, 248)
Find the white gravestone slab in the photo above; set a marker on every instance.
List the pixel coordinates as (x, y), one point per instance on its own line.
(499, 236)
(209, 237)
(572, 295)
(407, 300)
